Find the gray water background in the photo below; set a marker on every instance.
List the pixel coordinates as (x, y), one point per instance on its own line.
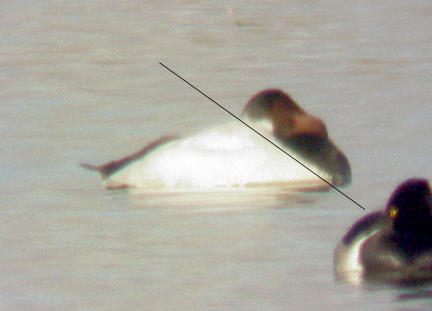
(80, 81)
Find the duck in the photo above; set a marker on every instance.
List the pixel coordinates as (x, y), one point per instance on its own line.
(393, 245)
(232, 155)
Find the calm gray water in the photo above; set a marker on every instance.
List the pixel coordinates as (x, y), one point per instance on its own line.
(80, 81)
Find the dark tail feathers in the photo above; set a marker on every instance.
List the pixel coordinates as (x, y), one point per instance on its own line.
(110, 168)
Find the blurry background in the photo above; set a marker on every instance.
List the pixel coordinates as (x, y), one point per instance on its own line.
(80, 82)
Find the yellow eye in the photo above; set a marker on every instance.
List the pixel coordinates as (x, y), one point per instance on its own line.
(393, 211)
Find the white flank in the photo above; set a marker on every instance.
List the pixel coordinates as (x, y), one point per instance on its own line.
(226, 156)
(348, 265)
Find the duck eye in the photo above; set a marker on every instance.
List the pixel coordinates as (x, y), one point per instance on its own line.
(393, 211)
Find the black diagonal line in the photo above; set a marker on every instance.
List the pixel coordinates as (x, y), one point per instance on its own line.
(233, 115)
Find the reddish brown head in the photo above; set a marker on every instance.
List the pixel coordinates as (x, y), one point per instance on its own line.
(303, 133)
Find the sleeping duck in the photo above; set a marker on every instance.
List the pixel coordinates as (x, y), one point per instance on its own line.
(233, 156)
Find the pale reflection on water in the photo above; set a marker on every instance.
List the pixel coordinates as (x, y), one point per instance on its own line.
(81, 82)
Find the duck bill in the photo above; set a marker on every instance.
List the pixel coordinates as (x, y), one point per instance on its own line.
(323, 154)
(342, 170)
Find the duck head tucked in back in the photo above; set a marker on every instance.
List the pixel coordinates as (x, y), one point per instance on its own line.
(300, 132)
(394, 245)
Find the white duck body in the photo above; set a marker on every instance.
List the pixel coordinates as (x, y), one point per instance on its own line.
(226, 156)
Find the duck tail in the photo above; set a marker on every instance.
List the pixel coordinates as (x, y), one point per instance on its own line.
(108, 169)
(101, 169)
